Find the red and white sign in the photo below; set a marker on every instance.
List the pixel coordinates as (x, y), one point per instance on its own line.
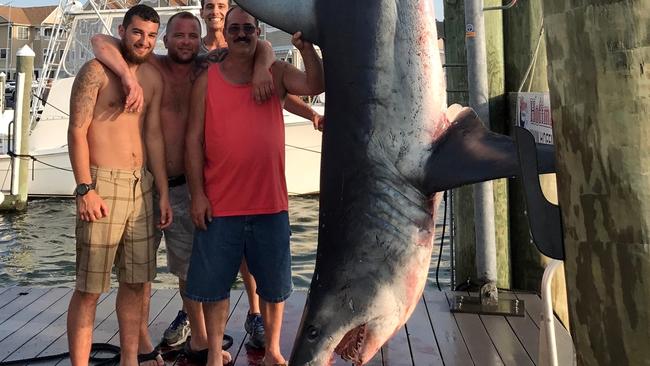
(534, 114)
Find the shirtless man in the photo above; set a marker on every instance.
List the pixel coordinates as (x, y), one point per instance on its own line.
(110, 148)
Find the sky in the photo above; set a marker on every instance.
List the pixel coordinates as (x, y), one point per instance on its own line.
(438, 4)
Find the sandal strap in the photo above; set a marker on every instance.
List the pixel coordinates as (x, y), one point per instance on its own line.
(142, 357)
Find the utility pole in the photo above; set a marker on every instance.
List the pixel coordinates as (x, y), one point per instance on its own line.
(486, 262)
(494, 46)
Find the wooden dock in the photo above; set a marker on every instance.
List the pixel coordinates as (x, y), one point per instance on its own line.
(32, 323)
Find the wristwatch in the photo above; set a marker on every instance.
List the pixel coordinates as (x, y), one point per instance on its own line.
(83, 188)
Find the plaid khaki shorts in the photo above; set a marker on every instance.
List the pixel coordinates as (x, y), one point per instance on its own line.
(125, 237)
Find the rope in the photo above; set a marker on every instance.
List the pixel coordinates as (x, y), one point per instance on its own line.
(50, 104)
(452, 233)
(96, 347)
(442, 241)
(111, 349)
(533, 61)
(14, 155)
(302, 148)
(9, 167)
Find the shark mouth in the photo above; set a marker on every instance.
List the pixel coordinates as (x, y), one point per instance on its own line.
(350, 346)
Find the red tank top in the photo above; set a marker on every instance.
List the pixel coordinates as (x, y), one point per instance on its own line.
(244, 150)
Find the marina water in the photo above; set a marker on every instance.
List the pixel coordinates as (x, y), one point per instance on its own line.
(37, 248)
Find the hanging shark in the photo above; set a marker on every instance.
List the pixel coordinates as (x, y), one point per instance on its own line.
(390, 148)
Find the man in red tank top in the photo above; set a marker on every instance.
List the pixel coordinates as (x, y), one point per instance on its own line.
(235, 169)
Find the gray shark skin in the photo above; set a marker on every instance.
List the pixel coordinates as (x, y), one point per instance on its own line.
(388, 148)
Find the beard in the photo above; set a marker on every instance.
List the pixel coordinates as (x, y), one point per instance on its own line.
(130, 56)
(177, 58)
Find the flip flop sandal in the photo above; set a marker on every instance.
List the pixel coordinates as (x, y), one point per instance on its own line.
(227, 342)
(277, 364)
(151, 356)
(199, 356)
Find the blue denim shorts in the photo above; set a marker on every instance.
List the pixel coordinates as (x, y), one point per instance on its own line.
(218, 251)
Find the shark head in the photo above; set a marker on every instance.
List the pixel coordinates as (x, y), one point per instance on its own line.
(353, 321)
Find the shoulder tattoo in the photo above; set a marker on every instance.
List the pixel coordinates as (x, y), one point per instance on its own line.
(204, 61)
(84, 94)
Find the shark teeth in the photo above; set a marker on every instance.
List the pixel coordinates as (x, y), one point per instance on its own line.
(350, 346)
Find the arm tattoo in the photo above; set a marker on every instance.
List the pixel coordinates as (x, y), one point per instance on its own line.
(203, 61)
(217, 55)
(84, 95)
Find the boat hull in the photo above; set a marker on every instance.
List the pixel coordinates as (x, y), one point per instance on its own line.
(51, 173)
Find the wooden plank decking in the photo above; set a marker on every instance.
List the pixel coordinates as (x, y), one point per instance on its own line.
(32, 323)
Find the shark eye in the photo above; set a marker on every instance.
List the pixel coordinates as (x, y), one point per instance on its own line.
(312, 333)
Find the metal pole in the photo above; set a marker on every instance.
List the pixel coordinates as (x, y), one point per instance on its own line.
(10, 41)
(106, 27)
(9, 38)
(3, 84)
(486, 263)
(548, 354)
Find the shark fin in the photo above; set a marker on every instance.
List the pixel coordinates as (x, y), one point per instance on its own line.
(470, 153)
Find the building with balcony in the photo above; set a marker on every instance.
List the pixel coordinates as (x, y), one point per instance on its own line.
(32, 26)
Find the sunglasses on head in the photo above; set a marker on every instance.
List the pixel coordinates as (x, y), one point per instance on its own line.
(248, 29)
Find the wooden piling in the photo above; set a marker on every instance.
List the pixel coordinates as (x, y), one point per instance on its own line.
(522, 25)
(498, 123)
(599, 77)
(25, 65)
(463, 203)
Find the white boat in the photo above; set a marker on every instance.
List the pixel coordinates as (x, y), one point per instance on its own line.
(51, 174)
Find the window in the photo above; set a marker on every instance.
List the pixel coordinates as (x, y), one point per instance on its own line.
(4, 53)
(45, 52)
(49, 31)
(22, 33)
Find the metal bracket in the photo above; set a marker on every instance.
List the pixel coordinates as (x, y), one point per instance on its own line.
(474, 305)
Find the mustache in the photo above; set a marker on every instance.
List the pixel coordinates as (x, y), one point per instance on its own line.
(243, 39)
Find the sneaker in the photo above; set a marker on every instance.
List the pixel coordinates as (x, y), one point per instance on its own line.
(254, 326)
(178, 331)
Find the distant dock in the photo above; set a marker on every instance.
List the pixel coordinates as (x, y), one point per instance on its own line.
(32, 323)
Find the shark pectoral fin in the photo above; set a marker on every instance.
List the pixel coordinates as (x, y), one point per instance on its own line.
(469, 153)
(289, 15)
(453, 110)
